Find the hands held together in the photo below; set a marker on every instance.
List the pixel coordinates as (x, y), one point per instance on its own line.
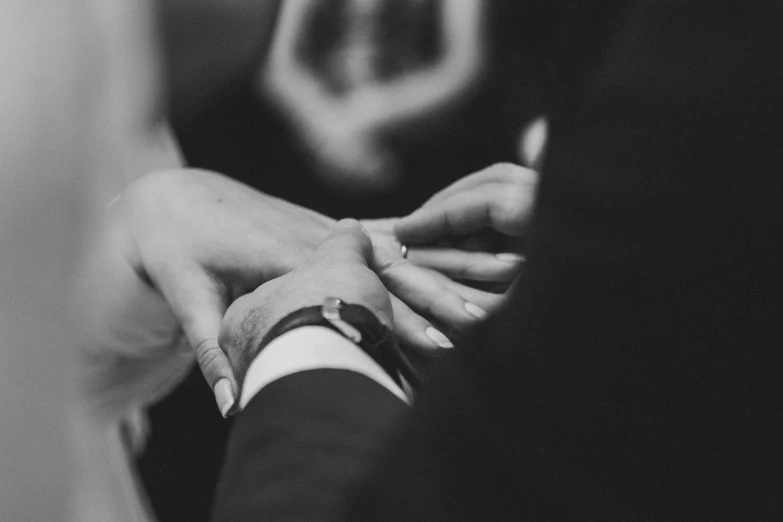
(205, 242)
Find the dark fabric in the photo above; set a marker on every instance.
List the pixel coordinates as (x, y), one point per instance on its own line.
(293, 458)
(634, 375)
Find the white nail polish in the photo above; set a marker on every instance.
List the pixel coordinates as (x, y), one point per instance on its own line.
(511, 257)
(438, 338)
(224, 396)
(475, 311)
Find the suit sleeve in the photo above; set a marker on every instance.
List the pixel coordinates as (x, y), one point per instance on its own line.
(634, 375)
(302, 443)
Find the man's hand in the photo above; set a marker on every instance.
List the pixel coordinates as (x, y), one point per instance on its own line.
(338, 268)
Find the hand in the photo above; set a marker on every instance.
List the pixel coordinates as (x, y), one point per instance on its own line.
(451, 306)
(202, 240)
(446, 232)
(499, 197)
(338, 268)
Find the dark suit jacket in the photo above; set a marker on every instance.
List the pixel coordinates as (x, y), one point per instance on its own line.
(635, 374)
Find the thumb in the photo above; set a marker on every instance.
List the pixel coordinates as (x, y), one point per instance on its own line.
(199, 305)
(349, 242)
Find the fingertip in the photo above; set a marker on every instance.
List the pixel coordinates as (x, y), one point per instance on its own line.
(437, 337)
(348, 237)
(476, 311)
(412, 330)
(511, 257)
(427, 342)
(419, 227)
(224, 396)
(354, 225)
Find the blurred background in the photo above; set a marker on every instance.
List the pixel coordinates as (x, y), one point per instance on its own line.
(359, 108)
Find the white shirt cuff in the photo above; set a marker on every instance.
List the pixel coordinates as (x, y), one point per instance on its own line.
(311, 348)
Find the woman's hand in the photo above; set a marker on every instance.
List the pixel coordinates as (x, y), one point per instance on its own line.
(463, 234)
(499, 198)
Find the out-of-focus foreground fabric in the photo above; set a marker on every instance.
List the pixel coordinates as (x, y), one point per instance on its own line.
(77, 96)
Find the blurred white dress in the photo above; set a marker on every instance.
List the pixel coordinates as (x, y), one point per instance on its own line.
(133, 353)
(79, 361)
(135, 356)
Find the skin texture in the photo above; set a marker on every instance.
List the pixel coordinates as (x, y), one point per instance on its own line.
(351, 263)
(340, 266)
(203, 240)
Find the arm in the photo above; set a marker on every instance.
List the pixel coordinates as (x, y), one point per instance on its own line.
(338, 413)
(308, 435)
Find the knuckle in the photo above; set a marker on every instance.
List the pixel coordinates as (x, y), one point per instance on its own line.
(205, 346)
(503, 166)
(209, 360)
(502, 169)
(513, 172)
(330, 252)
(389, 266)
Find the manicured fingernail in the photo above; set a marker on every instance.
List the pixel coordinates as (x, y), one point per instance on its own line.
(224, 396)
(438, 338)
(510, 256)
(475, 311)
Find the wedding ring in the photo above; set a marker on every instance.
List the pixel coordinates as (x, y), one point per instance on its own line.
(404, 251)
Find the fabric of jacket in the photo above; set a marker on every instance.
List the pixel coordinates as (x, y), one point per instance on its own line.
(634, 375)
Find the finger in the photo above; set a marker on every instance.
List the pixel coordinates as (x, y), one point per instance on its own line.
(488, 302)
(348, 242)
(199, 303)
(423, 293)
(379, 226)
(470, 266)
(494, 205)
(417, 333)
(496, 173)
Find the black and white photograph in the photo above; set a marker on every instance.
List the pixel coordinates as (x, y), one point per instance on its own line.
(391, 260)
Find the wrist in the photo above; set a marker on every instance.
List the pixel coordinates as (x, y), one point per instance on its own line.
(310, 348)
(355, 323)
